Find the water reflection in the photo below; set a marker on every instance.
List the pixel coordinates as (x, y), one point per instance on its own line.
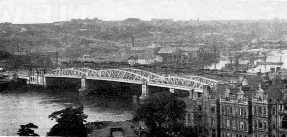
(20, 107)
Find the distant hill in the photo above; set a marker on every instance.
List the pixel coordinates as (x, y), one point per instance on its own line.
(78, 33)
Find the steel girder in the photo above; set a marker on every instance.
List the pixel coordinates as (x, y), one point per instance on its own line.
(135, 76)
(207, 81)
(66, 72)
(144, 73)
(115, 74)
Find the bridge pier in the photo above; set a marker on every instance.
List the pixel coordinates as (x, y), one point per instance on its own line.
(145, 92)
(44, 82)
(83, 89)
(191, 92)
(194, 95)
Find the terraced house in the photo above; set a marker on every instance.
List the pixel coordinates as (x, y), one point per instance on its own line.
(240, 111)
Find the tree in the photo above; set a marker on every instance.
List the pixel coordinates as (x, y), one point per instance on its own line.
(70, 122)
(275, 90)
(161, 114)
(4, 54)
(27, 130)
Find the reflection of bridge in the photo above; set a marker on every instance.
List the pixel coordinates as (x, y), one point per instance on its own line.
(137, 76)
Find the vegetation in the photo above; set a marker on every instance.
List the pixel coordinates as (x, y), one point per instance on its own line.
(160, 115)
(274, 91)
(27, 130)
(70, 122)
(4, 54)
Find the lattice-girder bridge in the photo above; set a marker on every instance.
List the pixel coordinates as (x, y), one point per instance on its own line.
(136, 76)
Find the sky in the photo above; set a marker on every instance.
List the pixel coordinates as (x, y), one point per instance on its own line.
(47, 11)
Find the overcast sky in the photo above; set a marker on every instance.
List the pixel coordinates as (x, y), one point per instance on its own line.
(45, 11)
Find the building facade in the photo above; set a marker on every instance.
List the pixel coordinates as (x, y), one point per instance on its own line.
(237, 113)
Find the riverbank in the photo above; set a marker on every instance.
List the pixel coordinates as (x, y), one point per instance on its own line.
(32, 104)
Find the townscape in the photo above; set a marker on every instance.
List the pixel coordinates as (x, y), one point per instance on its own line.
(205, 78)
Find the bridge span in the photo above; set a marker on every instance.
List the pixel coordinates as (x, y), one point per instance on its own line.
(193, 84)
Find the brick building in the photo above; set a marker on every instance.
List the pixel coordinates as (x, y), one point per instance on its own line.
(238, 112)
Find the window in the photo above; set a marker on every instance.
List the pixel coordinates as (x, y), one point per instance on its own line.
(259, 98)
(265, 125)
(234, 124)
(240, 111)
(213, 133)
(264, 111)
(212, 121)
(241, 125)
(222, 110)
(188, 118)
(255, 110)
(284, 122)
(233, 110)
(260, 125)
(228, 123)
(199, 107)
(212, 109)
(255, 124)
(223, 123)
(259, 110)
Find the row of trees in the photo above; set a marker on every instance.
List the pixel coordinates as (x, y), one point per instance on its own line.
(161, 115)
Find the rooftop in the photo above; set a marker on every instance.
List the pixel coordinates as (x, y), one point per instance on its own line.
(167, 50)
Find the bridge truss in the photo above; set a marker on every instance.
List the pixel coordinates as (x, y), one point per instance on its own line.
(136, 76)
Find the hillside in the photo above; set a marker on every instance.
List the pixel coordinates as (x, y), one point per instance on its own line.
(96, 34)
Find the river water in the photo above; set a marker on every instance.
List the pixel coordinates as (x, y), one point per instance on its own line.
(33, 105)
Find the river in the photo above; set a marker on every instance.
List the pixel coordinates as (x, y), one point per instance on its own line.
(33, 105)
